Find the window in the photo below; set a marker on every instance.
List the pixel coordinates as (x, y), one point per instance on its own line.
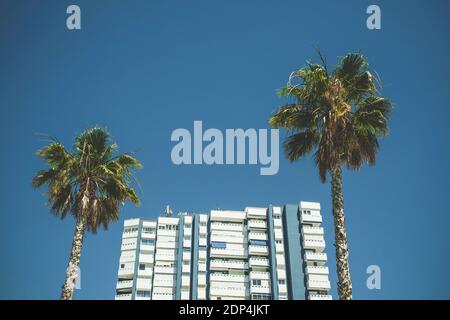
(258, 242)
(281, 281)
(256, 282)
(202, 248)
(278, 241)
(187, 237)
(276, 216)
(130, 229)
(261, 296)
(141, 266)
(142, 293)
(148, 242)
(148, 230)
(217, 244)
(122, 266)
(186, 262)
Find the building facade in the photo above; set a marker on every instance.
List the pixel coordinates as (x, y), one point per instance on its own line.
(259, 254)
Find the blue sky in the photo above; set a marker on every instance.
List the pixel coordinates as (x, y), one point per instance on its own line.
(145, 68)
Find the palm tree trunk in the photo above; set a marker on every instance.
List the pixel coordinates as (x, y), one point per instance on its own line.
(340, 236)
(74, 260)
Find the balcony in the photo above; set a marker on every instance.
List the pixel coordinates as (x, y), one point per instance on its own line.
(123, 296)
(131, 223)
(320, 297)
(227, 226)
(260, 289)
(124, 284)
(202, 254)
(166, 270)
(169, 233)
(227, 215)
(318, 282)
(128, 246)
(314, 218)
(257, 235)
(169, 290)
(146, 258)
(166, 245)
(126, 272)
(165, 257)
(228, 292)
(316, 256)
(277, 223)
(312, 230)
(185, 281)
(256, 212)
(255, 275)
(146, 235)
(232, 253)
(145, 273)
(127, 258)
(238, 238)
(127, 235)
(144, 284)
(164, 283)
(314, 244)
(258, 250)
(317, 270)
(147, 248)
(163, 296)
(279, 248)
(280, 259)
(258, 262)
(228, 277)
(217, 264)
(257, 224)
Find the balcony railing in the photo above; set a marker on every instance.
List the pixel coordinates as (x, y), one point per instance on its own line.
(316, 270)
(228, 264)
(320, 297)
(257, 224)
(318, 284)
(259, 262)
(228, 277)
(123, 296)
(262, 250)
(316, 256)
(310, 218)
(124, 284)
(312, 230)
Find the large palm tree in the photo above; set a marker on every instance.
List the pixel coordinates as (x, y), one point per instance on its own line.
(90, 183)
(339, 115)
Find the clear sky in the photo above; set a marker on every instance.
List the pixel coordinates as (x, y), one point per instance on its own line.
(145, 68)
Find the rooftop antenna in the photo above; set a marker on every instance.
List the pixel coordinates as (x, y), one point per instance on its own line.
(168, 212)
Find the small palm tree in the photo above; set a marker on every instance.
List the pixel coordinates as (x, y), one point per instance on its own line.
(91, 183)
(339, 116)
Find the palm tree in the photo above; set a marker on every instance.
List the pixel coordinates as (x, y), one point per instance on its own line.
(338, 115)
(91, 183)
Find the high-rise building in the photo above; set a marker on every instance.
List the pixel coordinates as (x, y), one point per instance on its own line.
(259, 254)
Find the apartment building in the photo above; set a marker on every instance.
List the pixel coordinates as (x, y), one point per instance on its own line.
(258, 254)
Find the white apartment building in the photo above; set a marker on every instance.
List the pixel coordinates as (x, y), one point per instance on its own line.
(257, 254)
